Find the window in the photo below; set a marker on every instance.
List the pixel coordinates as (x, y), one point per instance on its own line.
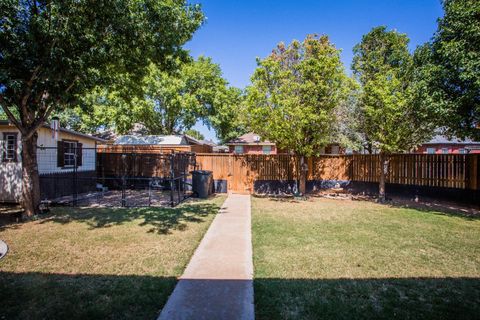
(267, 149)
(69, 153)
(431, 150)
(335, 150)
(444, 150)
(10, 146)
(69, 150)
(238, 149)
(462, 151)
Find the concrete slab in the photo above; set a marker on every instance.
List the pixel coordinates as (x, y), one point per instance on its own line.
(218, 281)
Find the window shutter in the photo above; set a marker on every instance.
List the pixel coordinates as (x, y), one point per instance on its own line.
(79, 154)
(3, 146)
(15, 153)
(60, 155)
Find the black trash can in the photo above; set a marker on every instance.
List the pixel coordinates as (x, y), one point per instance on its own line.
(202, 183)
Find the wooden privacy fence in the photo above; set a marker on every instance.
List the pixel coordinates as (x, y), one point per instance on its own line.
(432, 170)
(448, 171)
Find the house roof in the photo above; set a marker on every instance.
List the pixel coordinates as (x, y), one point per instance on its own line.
(151, 139)
(440, 139)
(208, 143)
(192, 140)
(250, 138)
(220, 149)
(87, 136)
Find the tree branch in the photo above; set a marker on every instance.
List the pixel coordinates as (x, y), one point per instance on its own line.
(10, 115)
(37, 123)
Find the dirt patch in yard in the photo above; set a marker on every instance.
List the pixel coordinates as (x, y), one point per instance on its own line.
(113, 198)
(420, 203)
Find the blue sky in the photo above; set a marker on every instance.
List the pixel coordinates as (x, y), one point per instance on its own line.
(236, 32)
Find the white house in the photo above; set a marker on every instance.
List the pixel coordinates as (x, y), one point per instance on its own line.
(56, 156)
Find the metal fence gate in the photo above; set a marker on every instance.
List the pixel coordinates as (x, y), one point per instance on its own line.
(79, 176)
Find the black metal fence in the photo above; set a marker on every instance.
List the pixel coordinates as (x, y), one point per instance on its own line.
(75, 175)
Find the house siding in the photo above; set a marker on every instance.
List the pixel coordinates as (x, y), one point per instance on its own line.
(253, 149)
(452, 149)
(257, 149)
(47, 158)
(11, 173)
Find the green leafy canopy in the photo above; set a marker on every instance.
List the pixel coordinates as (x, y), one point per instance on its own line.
(54, 51)
(164, 101)
(294, 94)
(392, 119)
(449, 67)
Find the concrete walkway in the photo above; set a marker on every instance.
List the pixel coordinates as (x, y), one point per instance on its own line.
(218, 281)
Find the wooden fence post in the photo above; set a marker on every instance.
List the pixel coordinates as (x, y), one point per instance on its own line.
(471, 172)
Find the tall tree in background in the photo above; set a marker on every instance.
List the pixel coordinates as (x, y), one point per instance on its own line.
(347, 131)
(53, 51)
(164, 101)
(450, 68)
(174, 102)
(228, 118)
(293, 96)
(195, 134)
(392, 117)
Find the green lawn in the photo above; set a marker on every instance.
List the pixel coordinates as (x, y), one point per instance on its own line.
(99, 263)
(342, 259)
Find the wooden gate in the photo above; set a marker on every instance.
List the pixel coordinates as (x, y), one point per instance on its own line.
(242, 178)
(233, 169)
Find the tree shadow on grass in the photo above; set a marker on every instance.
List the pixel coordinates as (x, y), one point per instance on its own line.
(60, 296)
(159, 219)
(390, 298)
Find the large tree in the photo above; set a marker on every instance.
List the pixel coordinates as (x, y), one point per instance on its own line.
(392, 118)
(165, 102)
(176, 101)
(53, 51)
(228, 118)
(450, 67)
(195, 134)
(294, 94)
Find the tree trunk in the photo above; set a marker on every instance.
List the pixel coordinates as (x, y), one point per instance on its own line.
(31, 181)
(384, 163)
(303, 176)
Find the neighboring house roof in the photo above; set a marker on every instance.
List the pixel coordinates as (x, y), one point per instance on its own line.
(176, 140)
(249, 139)
(440, 139)
(208, 143)
(86, 136)
(108, 135)
(220, 149)
(151, 139)
(192, 140)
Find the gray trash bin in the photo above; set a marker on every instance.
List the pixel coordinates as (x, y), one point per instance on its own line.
(202, 183)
